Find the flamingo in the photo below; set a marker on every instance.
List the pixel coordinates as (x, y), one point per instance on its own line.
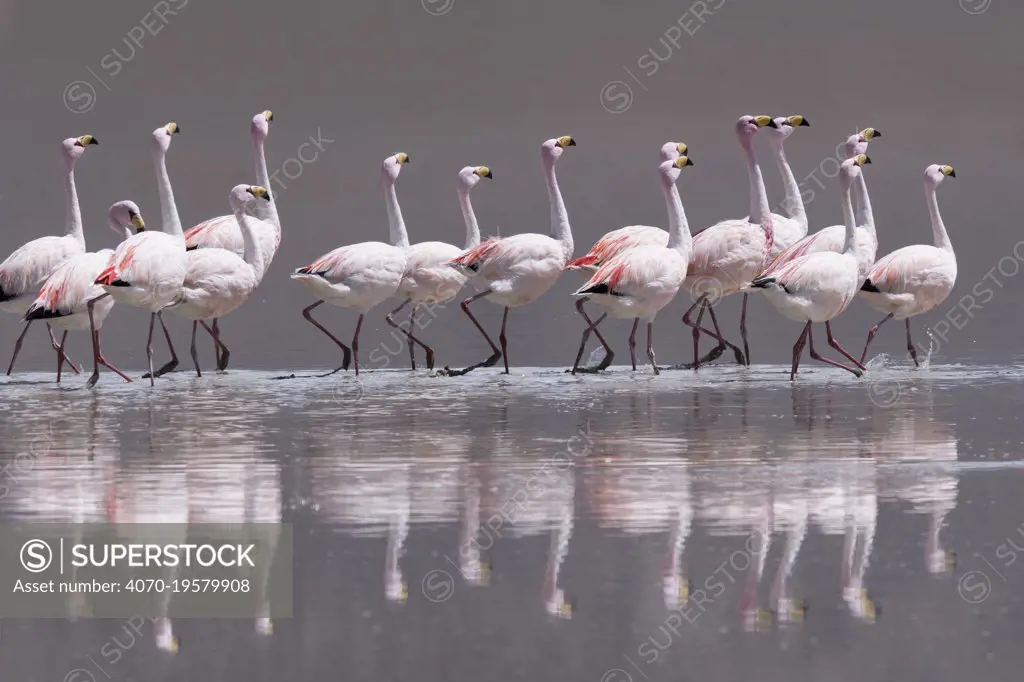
(521, 268)
(790, 228)
(427, 277)
(218, 280)
(834, 238)
(64, 297)
(819, 286)
(913, 280)
(730, 253)
(223, 232)
(361, 276)
(27, 268)
(614, 243)
(641, 281)
(148, 269)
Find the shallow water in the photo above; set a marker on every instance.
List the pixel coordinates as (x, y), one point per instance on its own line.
(544, 526)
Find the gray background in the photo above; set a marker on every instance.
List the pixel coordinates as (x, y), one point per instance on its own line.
(486, 83)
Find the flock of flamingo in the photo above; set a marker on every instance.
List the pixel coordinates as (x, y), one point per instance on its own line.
(633, 272)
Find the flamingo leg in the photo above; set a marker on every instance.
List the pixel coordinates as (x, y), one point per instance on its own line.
(910, 345)
(798, 349)
(347, 358)
(502, 340)
(819, 358)
(149, 349)
(871, 336)
(224, 352)
(495, 355)
(608, 355)
(195, 354)
(717, 335)
(60, 346)
(60, 354)
(743, 330)
(216, 346)
(650, 347)
(355, 342)
(97, 355)
(409, 335)
(173, 362)
(835, 344)
(720, 348)
(591, 327)
(17, 347)
(632, 343)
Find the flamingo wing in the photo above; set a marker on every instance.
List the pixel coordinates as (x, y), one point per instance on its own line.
(29, 266)
(904, 269)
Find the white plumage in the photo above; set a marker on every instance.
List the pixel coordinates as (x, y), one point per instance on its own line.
(641, 281)
(913, 280)
(361, 276)
(519, 269)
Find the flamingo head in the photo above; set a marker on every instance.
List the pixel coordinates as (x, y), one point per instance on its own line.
(470, 175)
(125, 218)
(784, 127)
(261, 124)
(244, 196)
(73, 147)
(670, 151)
(162, 136)
(552, 149)
(850, 168)
(670, 169)
(746, 126)
(392, 166)
(858, 143)
(934, 174)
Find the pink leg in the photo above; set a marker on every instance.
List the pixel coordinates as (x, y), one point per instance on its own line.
(216, 346)
(650, 347)
(17, 347)
(717, 334)
(97, 355)
(59, 346)
(910, 345)
(718, 350)
(149, 349)
(355, 343)
(798, 349)
(819, 358)
(502, 340)
(195, 353)
(871, 336)
(592, 327)
(173, 362)
(60, 354)
(835, 344)
(347, 357)
(224, 352)
(409, 335)
(632, 343)
(743, 330)
(495, 354)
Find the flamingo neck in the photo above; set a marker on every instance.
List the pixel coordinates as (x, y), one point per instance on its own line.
(396, 224)
(848, 221)
(938, 228)
(168, 210)
(679, 237)
(119, 228)
(72, 211)
(794, 202)
(758, 195)
(252, 254)
(263, 177)
(472, 228)
(864, 215)
(560, 229)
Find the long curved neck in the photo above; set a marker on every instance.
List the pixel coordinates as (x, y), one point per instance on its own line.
(679, 237)
(72, 211)
(399, 237)
(472, 228)
(848, 220)
(938, 228)
(263, 177)
(758, 195)
(864, 215)
(168, 210)
(794, 203)
(253, 255)
(119, 228)
(560, 229)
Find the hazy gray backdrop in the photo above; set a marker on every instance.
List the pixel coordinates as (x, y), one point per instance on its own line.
(454, 82)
